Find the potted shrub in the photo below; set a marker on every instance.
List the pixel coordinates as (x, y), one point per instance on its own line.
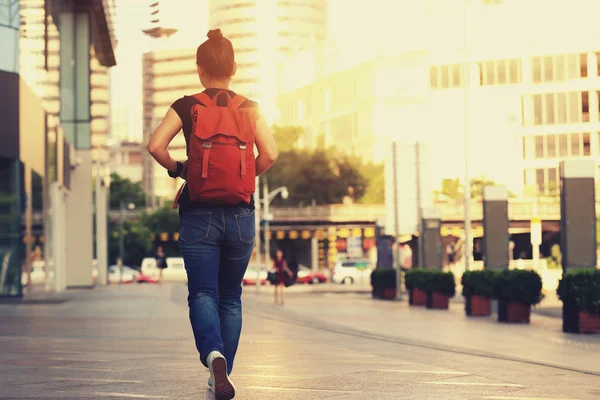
(383, 282)
(516, 291)
(478, 288)
(439, 287)
(413, 282)
(579, 290)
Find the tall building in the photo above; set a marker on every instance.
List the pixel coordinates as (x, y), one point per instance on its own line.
(532, 91)
(263, 33)
(53, 131)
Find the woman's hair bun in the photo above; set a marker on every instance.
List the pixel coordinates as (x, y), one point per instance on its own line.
(215, 34)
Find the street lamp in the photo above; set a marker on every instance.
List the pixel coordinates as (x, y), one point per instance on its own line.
(130, 207)
(467, 191)
(267, 198)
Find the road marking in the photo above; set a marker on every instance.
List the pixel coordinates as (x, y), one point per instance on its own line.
(298, 390)
(473, 384)
(96, 380)
(265, 376)
(88, 360)
(523, 398)
(407, 371)
(126, 395)
(85, 369)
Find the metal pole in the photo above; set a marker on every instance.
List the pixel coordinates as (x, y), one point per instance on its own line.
(122, 241)
(467, 189)
(257, 224)
(267, 200)
(419, 203)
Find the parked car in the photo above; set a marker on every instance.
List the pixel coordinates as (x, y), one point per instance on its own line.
(306, 275)
(348, 272)
(174, 272)
(127, 275)
(253, 272)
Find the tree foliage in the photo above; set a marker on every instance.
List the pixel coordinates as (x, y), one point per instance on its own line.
(137, 242)
(453, 188)
(126, 191)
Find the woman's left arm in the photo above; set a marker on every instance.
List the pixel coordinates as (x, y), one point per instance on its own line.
(162, 137)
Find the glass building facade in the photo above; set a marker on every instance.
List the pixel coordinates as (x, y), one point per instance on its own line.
(11, 169)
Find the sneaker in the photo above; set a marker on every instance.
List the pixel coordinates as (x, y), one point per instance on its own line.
(221, 385)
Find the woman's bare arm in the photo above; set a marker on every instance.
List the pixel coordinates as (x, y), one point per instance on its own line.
(267, 149)
(162, 137)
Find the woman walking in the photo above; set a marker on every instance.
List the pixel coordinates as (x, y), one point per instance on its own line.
(283, 273)
(216, 208)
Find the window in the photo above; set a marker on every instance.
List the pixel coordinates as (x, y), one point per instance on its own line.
(445, 77)
(587, 146)
(549, 108)
(537, 109)
(585, 106)
(457, 75)
(433, 78)
(548, 69)
(551, 146)
(572, 61)
(539, 179)
(501, 72)
(583, 64)
(489, 73)
(574, 116)
(576, 150)
(514, 68)
(536, 69)
(563, 145)
(539, 147)
(559, 67)
(552, 176)
(561, 108)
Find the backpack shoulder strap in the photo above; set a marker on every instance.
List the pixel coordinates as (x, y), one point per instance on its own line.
(237, 101)
(204, 99)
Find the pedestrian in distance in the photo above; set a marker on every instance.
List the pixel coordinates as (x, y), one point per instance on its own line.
(283, 273)
(161, 262)
(216, 207)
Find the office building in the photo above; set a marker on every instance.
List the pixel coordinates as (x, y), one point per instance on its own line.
(532, 94)
(52, 133)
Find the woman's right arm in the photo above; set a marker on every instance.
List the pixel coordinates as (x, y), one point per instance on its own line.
(267, 149)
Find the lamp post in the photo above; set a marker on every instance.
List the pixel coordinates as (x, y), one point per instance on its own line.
(130, 207)
(267, 198)
(467, 188)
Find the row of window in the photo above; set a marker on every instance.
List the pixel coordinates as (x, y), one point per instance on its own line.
(562, 145)
(546, 179)
(551, 68)
(446, 76)
(557, 108)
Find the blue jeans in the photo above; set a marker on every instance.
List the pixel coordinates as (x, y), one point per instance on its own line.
(216, 244)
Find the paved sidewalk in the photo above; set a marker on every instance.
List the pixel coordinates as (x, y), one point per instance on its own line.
(135, 342)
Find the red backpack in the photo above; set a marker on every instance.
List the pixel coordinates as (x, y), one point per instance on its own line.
(221, 162)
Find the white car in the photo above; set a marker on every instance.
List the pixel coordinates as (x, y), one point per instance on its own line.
(127, 275)
(175, 271)
(348, 272)
(255, 270)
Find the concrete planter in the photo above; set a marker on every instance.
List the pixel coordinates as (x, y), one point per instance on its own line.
(478, 306)
(579, 321)
(514, 312)
(389, 294)
(437, 301)
(418, 297)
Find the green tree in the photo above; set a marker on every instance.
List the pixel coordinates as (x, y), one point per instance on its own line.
(123, 189)
(286, 137)
(451, 189)
(477, 185)
(375, 190)
(164, 219)
(137, 242)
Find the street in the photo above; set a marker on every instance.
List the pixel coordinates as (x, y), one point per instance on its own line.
(134, 341)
